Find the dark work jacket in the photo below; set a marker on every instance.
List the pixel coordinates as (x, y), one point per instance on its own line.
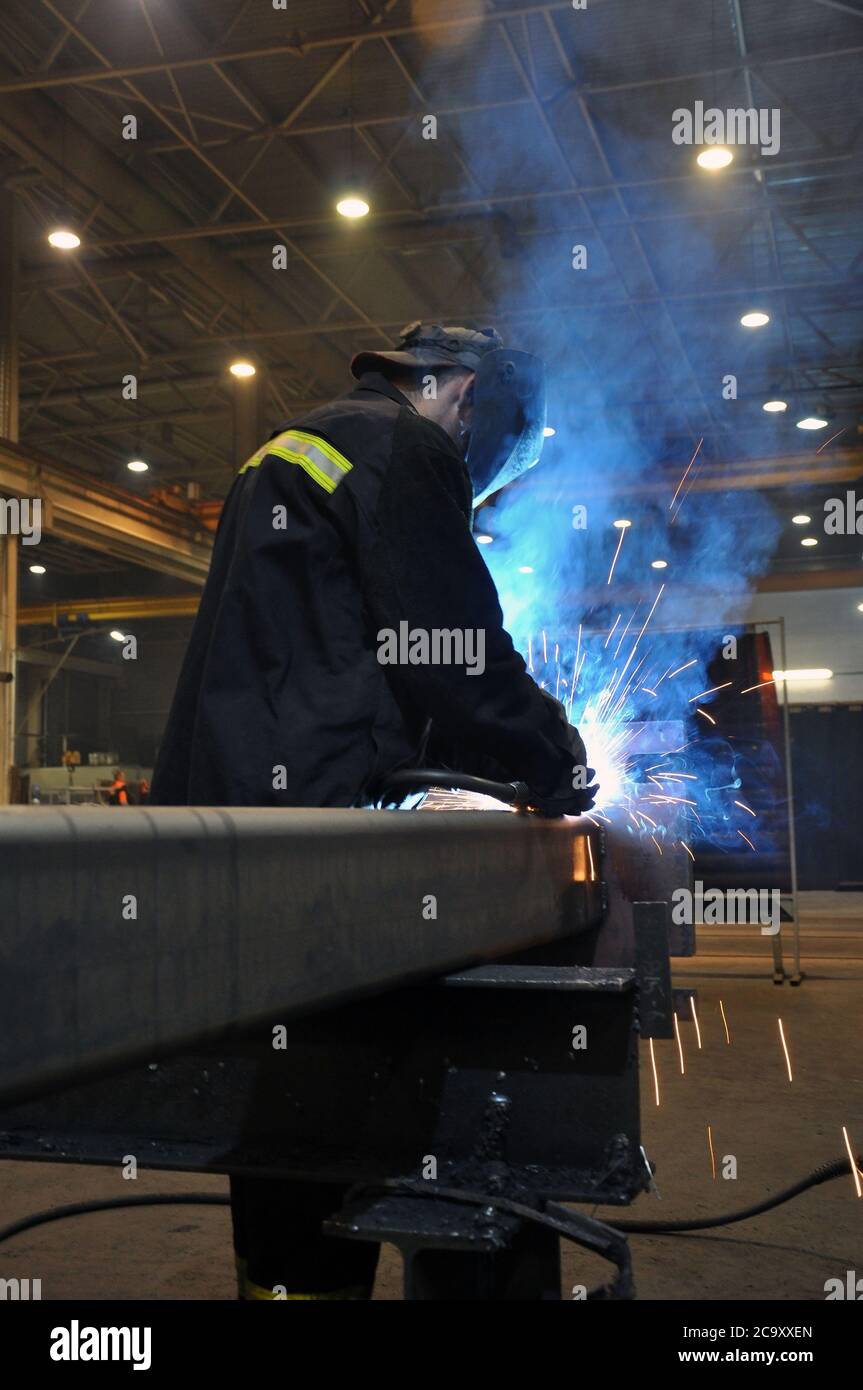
(281, 700)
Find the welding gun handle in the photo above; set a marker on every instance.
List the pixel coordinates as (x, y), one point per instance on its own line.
(416, 779)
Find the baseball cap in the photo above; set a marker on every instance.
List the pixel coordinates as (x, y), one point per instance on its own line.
(431, 345)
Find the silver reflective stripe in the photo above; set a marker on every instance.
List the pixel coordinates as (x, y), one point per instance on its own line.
(314, 455)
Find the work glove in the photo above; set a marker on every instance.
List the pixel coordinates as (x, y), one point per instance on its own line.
(577, 790)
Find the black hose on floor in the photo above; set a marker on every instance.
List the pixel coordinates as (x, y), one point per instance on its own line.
(155, 1199)
(826, 1173)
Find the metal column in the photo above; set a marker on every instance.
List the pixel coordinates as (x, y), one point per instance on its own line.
(247, 402)
(8, 543)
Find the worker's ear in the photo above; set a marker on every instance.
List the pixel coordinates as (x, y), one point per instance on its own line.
(464, 399)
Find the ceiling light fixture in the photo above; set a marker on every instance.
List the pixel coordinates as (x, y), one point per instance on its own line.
(715, 157)
(814, 673)
(755, 318)
(63, 239)
(352, 206)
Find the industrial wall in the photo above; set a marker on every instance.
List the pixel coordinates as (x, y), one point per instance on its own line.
(823, 627)
(142, 697)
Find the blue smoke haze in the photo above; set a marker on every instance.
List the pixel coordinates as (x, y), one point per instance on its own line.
(614, 457)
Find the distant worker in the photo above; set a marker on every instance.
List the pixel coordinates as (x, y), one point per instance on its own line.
(118, 792)
(351, 524)
(143, 791)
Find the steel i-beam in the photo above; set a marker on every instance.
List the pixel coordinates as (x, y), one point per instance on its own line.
(129, 934)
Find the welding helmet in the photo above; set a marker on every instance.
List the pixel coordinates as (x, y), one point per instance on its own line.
(507, 432)
(508, 429)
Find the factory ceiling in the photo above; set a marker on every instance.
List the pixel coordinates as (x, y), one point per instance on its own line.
(552, 130)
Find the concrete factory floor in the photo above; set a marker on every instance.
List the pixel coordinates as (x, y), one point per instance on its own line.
(777, 1131)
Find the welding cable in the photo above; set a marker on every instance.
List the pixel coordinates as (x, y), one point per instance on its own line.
(418, 779)
(155, 1199)
(41, 1218)
(826, 1173)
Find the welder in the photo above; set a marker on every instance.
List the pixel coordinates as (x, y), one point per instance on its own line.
(347, 524)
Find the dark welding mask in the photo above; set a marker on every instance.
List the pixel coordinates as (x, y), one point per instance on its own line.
(508, 427)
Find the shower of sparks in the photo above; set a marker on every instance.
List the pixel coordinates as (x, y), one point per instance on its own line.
(605, 696)
(785, 1049)
(590, 857)
(655, 1072)
(711, 691)
(712, 1155)
(748, 841)
(832, 437)
(686, 473)
(695, 1021)
(852, 1159)
(682, 668)
(623, 531)
(725, 1024)
(744, 807)
(760, 686)
(679, 1045)
(625, 630)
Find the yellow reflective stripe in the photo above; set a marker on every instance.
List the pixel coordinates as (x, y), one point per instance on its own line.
(256, 458)
(314, 455)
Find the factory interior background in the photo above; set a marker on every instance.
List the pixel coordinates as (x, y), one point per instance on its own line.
(207, 207)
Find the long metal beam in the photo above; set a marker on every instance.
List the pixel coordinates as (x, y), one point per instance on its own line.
(186, 605)
(111, 520)
(403, 219)
(131, 424)
(391, 232)
(106, 610)
(471, 312)
(78, 77)
(130, 934)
